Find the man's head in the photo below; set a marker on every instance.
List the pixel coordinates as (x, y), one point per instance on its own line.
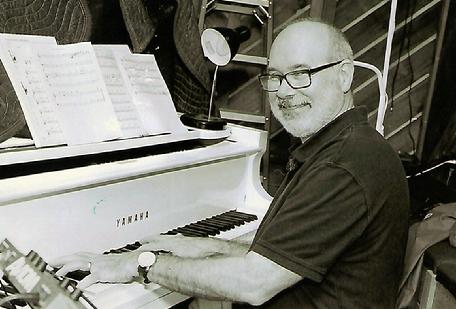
(303, 45)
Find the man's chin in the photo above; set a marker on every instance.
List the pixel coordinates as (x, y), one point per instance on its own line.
(296, 130)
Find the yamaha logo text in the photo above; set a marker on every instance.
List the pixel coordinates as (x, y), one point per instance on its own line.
(134, 218)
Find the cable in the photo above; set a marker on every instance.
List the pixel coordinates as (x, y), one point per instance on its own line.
(389, 41)
(3, 287)
(432, 168)
(412, 78)
(401, 48)
(5, 291)
(72, 284)
(406, 35)
(24, 296)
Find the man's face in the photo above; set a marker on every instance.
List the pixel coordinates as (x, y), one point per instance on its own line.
(302, 112)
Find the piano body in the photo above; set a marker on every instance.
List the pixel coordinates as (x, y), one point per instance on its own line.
(95, 197)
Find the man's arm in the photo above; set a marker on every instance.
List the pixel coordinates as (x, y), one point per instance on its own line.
(197, 246)
(249, 278)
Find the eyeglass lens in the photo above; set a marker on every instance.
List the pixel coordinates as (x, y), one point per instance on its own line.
(294, 79)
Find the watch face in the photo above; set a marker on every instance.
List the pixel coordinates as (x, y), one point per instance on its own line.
(146, 259)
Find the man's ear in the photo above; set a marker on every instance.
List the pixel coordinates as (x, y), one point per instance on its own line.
(346, 75)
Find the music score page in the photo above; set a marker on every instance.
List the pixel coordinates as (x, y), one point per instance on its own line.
(75, 82)
(122, 100)
(29, 83)
(80, 94)
(150, 93)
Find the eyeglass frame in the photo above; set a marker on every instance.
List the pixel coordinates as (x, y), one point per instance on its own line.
(310, 72)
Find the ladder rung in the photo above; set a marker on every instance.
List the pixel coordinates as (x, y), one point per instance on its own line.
(241, 116)
(251, 59)
(264, 3)
(231, 8)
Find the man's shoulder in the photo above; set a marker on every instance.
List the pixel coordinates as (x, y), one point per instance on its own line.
(365, 154)
(362, 143)
(371, 160)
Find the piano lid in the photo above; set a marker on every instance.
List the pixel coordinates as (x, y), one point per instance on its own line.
(23, 151)
(28, 179)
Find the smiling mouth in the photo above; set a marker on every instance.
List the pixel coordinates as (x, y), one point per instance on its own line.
(284, 106)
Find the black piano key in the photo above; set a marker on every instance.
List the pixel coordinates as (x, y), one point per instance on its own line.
(223, 224)
(210, 230)
(190, 232)
(214, 225)
(226, 220)
(194, 230)
(241, 215)
(236, 219)
(77, 275)
(133, 246)
(172, 232)
(116, 251)
(126, 248)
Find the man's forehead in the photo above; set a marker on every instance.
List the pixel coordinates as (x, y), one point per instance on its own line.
(301, 44)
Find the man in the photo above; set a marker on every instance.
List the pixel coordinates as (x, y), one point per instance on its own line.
(334, 236)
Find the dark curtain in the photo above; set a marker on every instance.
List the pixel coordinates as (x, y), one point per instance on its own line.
(440, 138)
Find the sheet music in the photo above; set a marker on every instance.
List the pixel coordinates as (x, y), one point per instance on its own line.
(83, 105)
(27, 78)
(150, 93)
(122, 101)
(15, 142)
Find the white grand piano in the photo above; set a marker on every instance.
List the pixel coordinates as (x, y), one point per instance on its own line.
(95, 197)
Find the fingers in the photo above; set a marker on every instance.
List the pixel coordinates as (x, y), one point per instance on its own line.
(159, 238)
(87, 281)
(72, 266)
(60, 261)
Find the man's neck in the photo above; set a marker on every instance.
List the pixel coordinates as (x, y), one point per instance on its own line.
(346, 105)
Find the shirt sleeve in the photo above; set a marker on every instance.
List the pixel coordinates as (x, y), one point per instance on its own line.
(323, 213)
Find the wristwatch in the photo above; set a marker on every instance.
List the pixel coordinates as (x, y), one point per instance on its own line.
(145, 262)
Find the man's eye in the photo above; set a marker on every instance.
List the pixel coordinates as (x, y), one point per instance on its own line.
(298, 75)
(274, 77)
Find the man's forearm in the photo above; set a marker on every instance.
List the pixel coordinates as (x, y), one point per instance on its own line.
(232, 248)
(198, 246)
(216, 277)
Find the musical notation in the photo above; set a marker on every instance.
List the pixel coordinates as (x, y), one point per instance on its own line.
(121, 98)
(78, 93)
(28, 81)
(82, 101)
(150, 93)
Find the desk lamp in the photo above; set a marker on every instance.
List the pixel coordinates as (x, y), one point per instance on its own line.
(220, 45)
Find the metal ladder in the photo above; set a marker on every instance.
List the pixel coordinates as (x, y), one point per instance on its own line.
(262, 11)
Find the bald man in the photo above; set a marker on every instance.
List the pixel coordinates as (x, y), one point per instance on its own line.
(334, 235)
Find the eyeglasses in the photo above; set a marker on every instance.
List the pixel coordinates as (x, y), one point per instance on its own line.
(296, 79)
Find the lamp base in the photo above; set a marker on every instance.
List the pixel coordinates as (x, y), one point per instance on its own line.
(200, 121)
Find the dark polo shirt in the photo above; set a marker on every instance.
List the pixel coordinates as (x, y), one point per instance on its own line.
(340, 222)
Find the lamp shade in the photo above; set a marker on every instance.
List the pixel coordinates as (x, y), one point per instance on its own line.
(220, 44)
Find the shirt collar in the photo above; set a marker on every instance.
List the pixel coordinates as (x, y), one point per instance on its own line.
(324, 135)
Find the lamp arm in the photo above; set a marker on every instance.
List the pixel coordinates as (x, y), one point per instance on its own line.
(383, 96)
(389, 41)
(383, 78)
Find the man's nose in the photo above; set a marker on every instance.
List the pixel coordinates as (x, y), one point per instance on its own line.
(284, 90)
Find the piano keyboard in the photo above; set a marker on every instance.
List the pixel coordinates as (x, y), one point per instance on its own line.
(227, 225)
(203, 228)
